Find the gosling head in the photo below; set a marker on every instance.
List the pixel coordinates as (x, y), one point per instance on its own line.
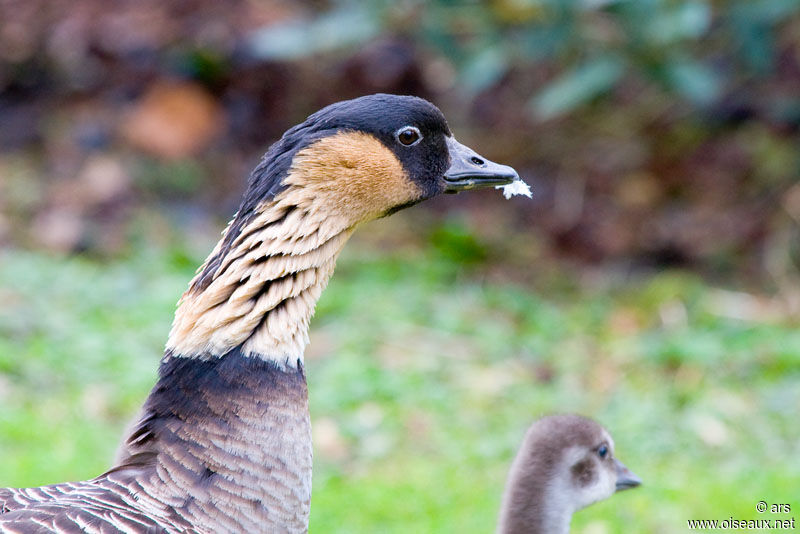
(566, 463)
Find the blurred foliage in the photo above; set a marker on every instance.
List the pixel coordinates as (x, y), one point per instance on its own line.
(655, 133)
(693, 48)
(423, 378)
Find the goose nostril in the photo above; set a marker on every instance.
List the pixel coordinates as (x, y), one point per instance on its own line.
(477, 161)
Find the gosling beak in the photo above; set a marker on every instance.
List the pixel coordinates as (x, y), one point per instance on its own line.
(626, 479)
(468, 170)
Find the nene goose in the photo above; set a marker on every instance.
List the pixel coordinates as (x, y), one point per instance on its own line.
(565, 463)
(223, 442)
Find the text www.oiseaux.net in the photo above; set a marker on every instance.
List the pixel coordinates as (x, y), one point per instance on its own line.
(741, 524)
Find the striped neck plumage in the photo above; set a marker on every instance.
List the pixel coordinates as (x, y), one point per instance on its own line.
(257, 291)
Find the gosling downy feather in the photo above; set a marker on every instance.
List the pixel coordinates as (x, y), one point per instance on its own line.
(223, 442)
(565, 463)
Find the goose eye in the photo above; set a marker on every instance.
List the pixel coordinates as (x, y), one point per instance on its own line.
(408, 135)
(602, 451)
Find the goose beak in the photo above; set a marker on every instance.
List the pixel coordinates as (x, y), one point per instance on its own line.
(468, 170)
(626, 479)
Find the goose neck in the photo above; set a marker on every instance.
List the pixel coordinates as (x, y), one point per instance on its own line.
(258, 289)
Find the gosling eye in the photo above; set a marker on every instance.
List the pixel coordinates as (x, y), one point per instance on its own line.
(602, 452)
(408, 135)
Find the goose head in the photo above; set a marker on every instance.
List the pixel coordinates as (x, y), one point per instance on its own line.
(371, 156)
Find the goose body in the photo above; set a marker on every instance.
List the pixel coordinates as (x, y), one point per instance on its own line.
(565, 463)
(223, 441)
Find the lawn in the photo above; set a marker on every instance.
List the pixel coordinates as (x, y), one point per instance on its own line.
(424, 373)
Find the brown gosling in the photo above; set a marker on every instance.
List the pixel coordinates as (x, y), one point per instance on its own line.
(565, 463)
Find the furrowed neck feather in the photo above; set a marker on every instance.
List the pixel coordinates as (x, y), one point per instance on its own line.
(258, 288)
(263, 293)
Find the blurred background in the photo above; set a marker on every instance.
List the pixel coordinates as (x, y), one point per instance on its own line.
(652, 282)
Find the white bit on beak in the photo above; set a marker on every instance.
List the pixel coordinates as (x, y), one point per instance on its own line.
(517, 187)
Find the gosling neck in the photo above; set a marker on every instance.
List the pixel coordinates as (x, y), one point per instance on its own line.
(535, 500)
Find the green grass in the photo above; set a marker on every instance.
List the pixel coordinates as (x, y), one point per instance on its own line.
(423, 376)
